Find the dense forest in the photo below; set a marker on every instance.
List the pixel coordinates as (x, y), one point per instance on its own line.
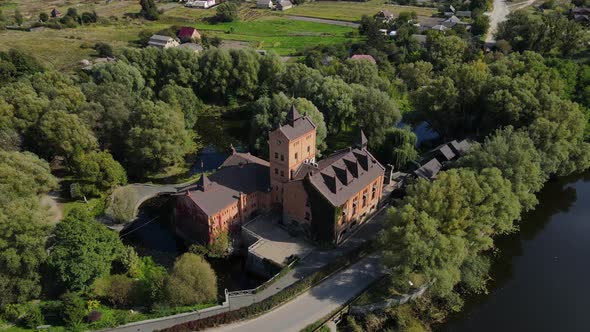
(527, 103)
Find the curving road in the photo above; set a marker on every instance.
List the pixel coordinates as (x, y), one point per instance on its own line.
(316, 303)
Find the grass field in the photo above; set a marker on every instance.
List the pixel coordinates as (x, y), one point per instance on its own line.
(351, 11)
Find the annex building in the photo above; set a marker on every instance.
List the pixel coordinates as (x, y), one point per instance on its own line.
(322, 199)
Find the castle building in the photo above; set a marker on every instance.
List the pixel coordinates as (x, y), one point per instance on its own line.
(324, 200)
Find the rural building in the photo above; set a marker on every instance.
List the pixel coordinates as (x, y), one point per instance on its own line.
(440, 155)
(284, 5)
(580, 15)
(162, 41)
(323, 200)
(55, 13)
(264, 4)
(200, 4)
(188, 34)
(463, 13)
(363, 57)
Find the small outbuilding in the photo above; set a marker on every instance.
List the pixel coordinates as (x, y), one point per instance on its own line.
(188, 34)
(55, 13)
(264, 4)
(161, 41)
(284, 5)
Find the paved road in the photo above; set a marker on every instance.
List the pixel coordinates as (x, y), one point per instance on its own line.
(321, 20)
(316, 303)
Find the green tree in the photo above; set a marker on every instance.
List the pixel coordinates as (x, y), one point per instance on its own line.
(443, 51)
(43, 17)
(82, 250)
(99, 172)
(399, 147)
(362, 72)
(158, 137)
(216, 72)
(185, 100)
(74, 308)
(65, 134)
(104, 50)
(24, 224)
(376, 113)
(227, 12)
(18, 17)
(119, 290)
(149, 10)
(514, 153)
(306, 107)
(192, 281)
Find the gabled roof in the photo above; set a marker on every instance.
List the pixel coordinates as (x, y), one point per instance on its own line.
(345, 173)
(429, 170)
(363, 57)
(297, 128)
(186, 32)
(239, 158)
(439, 27)
(160, 38)
(264, 2)
(463, 13)
(453, 19)
(224, 187)
(445, 152)
(460, 147)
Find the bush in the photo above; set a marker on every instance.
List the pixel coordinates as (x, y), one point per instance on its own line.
(93, 316)
(227, 12)
(43, 17)
(104, 50)
(74, 309)
(34, 317)
(192, 281)
(118, 290)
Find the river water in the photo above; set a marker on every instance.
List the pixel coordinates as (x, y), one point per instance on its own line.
(541, 277)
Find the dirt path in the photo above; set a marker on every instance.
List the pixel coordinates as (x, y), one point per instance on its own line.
(51, 201)
(498, 15)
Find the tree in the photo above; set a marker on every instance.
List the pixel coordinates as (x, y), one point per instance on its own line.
(306, 107)
(443, 51)
(65, 134)
(215, 67)
(435, 239)
(335, 99)
(24, 224)
(376, 113)
(149, 10)
(416, 74)
(82, 250)
(104, 50)
(514, 153)
(158, 137)
(192, 281)
(481, 24)
(43, 17)
(185, 100)
(227, 12)
(399, 147)
(117, 289)
(362, 72)
(18, 17)
(74, 308)
(99, 172)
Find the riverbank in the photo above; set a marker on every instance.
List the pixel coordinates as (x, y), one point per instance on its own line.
(539, 277)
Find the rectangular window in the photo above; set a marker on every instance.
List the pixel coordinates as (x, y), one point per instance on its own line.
(308, 148)
(282, 158)
(276, 171)
(307, 216)
(276, 155)
(295, 155)
(282, 173)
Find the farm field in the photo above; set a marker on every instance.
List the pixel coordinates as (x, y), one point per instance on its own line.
(261, 29)
(352, 11)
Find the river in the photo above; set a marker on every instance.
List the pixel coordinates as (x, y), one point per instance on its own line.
(541, 275)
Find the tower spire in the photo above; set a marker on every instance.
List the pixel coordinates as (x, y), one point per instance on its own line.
(361, 140)
(293, 115)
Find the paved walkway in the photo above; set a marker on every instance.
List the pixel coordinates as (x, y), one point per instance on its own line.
(316, 303)
(325, 21)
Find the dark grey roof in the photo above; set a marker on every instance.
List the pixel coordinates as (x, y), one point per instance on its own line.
(445, 152)
(345, 173)
(238, 158)
(293, 115)
(297, 128)
(429, 170)
(361, 140)
(460, 147)
(226, 185)
(161, 38)
(463, 13)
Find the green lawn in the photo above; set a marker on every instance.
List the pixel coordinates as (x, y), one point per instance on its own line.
(351, 11)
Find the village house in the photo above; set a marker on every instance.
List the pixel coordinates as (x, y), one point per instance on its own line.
(187, 34)
(205, 4)
(385, 16)
(322, 200)
(284, 4)
(264, 4)
(440, 155)
(55, 13)
(160, 41)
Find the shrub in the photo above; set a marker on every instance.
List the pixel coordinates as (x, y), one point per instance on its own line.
(227, 12)
(117, 289)
(104, 50)
(34, 317)
(43, 17)
(74, 308)
(93, 316)
(192, 281)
